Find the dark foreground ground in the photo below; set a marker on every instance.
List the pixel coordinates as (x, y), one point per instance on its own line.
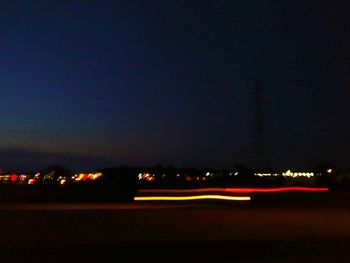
(302, 231)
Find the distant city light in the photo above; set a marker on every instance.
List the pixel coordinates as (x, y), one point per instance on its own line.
(288, 173)
(146, 176)
(297, 174)
(31, 181)
(263, 174)
(14, 178)
(86, 176)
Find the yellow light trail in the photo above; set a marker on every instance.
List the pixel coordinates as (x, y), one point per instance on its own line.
(193, 197)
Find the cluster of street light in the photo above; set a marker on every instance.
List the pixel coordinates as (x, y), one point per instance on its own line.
(50, 177)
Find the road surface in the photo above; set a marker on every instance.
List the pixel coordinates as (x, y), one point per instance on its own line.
(176, 232)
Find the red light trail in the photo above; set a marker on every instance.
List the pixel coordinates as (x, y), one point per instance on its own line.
(238, 190)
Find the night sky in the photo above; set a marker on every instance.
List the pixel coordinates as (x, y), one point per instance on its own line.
(90, 84)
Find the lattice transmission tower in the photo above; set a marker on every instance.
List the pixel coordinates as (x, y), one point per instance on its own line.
(259, 143)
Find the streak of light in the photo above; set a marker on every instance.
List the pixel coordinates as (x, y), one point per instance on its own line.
(238, 190)
(193, 197)
(276, 189)
(181, 190)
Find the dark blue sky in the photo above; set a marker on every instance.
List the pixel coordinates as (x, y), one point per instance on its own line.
(97, 83)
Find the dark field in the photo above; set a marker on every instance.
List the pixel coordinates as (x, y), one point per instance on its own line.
(302, 231)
